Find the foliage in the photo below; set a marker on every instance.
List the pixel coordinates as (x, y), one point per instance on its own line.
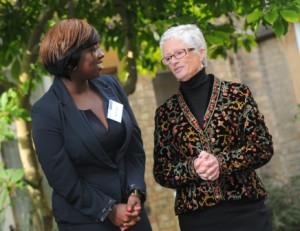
(9, 111)
(284, 204)
(226, 24)
(130, 27)
(10, 180)
(297, 116)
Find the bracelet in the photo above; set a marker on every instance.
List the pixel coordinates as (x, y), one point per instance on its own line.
(138, 193)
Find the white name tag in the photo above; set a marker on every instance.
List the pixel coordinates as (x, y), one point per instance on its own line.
(115, 111)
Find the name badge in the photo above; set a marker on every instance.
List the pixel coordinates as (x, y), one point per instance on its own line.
(115, 111)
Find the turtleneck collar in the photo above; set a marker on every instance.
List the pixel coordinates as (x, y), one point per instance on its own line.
(199, 80)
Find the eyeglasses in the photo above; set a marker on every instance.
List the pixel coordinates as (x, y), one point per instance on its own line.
(177, 54)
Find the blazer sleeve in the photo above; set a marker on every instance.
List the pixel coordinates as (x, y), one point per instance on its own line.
(47, 133)
(256, 147)
(135, 157)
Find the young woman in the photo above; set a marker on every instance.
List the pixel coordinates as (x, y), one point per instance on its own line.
(86, 137)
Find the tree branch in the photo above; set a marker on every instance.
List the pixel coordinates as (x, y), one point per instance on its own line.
(128, 19)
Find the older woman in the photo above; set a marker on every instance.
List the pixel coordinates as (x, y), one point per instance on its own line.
(86, 137)
(209, 139)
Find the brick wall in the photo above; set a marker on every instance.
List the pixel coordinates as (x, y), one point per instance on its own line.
(160, 200)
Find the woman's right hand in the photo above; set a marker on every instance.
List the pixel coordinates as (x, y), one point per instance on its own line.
(119, 216)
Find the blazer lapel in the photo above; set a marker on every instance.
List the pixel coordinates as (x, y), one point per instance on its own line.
(109, 93)
(209, 111)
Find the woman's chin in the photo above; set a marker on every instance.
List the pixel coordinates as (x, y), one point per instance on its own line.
(100, 67)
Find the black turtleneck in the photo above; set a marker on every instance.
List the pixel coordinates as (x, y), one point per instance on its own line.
(196, 92)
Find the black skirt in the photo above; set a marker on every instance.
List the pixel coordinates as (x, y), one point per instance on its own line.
(228, 216)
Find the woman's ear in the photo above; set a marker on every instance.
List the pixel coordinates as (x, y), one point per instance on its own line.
(202, 53)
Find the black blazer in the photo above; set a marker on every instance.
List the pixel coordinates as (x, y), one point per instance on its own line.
(84, 179)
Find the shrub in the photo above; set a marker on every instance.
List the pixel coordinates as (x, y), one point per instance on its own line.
(284, 205)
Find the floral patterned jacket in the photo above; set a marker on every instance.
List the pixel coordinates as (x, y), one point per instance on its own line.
(233, 130)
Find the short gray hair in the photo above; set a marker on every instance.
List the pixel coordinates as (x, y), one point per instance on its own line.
(189, 34)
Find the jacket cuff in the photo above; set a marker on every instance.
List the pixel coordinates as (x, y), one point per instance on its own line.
(191, 168)
(222, 165)
(104, 213)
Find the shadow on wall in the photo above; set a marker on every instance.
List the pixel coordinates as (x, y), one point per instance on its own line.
(165, 85)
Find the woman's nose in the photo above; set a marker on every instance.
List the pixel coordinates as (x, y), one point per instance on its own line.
(173, 60)
(99, 53)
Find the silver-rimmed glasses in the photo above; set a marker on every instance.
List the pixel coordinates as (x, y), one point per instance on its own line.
(177, 54)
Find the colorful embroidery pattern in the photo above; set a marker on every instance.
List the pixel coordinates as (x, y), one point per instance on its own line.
(233, 130)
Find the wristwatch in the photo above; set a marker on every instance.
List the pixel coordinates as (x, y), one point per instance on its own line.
(138, 193)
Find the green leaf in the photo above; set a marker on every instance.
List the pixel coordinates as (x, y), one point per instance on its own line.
(278, 28)
(4, 100)
(247, 45)
(271, 17)
(223, 35)
(17, 175)
(3, 197)
(254, 16)
(22, 113)
(15, 69)
(3, 175)
(290, 15)
(26, 87)
(214, 40)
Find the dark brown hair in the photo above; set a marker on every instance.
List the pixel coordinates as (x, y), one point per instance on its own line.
(62, 45)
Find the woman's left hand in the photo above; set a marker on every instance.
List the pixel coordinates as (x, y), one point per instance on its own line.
(133, 210)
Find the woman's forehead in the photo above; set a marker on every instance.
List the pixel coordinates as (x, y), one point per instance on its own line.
(172, 45)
